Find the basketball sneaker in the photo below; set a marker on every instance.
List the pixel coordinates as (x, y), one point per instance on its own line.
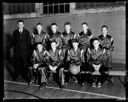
(93, 84)
(99, 85)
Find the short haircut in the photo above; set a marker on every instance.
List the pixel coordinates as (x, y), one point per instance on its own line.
(20, 21)
(93, 39)
(85, 23)
(53, 41)
(39, 43)
(75, 41)
(53, 24)
(38, 24)
(67, 23)
(104, 26)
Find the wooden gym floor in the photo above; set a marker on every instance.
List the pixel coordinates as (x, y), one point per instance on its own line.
(20, 90)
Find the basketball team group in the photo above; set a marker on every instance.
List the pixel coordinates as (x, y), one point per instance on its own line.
(62, 56)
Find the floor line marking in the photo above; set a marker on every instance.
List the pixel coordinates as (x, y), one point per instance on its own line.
(70, 90)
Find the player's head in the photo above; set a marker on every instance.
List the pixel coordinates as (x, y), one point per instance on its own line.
(53, 44)
(85, 26)
(39, 26)
(39, 47)
(96, 43)
(54, 27)
(75, 43)
(104, 30)
(67, 26)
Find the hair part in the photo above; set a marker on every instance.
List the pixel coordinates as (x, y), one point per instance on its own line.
(53, 41)
(53, 24)
(20, 21)
(85, 23)
(67, 23)
(104, 26)
(38, 24)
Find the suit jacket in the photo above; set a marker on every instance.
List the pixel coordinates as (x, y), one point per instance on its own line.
(21, 42)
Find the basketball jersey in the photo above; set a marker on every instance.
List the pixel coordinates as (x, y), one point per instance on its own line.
(40, 37)
(106, 42)
(74, 56)
(57, 37)
(84, 39)
(66, 37)
(40, 56)
(54, 57)
(95, 57)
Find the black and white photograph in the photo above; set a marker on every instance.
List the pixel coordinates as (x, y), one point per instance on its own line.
(64, 50)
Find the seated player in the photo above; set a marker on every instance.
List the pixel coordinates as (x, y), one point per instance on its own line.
(73, 60)
(54, 62)
(95, 60)
(39, 65)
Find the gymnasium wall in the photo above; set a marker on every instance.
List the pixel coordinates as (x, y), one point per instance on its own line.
(114, 20)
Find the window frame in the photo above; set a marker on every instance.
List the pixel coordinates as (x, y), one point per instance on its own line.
(97, 10)
(101, 5)
(38, 13)
(59, 12)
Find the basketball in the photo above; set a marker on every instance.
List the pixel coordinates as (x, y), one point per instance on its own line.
(74, 69)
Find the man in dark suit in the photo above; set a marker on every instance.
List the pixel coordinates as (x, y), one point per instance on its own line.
(21, 43)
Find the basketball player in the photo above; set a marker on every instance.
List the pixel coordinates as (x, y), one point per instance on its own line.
(85, 36)
(39, 35)
(95, 60)
(55, 61)
(107, 41)
(39, 65)
(67, 35)
(73, 58)
(55, 35)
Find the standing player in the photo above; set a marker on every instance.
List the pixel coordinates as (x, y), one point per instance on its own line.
(85, 36)
(55, 35)
(39, 35)
(67, 36)
(106, 42)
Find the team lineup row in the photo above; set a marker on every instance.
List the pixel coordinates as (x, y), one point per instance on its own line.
(67, 55)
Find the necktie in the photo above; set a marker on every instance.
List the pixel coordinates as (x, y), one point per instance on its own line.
(20, 31)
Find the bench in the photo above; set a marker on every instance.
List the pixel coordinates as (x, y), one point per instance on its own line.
(114, 73)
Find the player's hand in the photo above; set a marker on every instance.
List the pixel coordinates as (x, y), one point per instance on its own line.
(35, 54)
(35, 66)
(51, 68)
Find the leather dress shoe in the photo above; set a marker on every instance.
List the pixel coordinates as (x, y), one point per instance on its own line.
(43, 84)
